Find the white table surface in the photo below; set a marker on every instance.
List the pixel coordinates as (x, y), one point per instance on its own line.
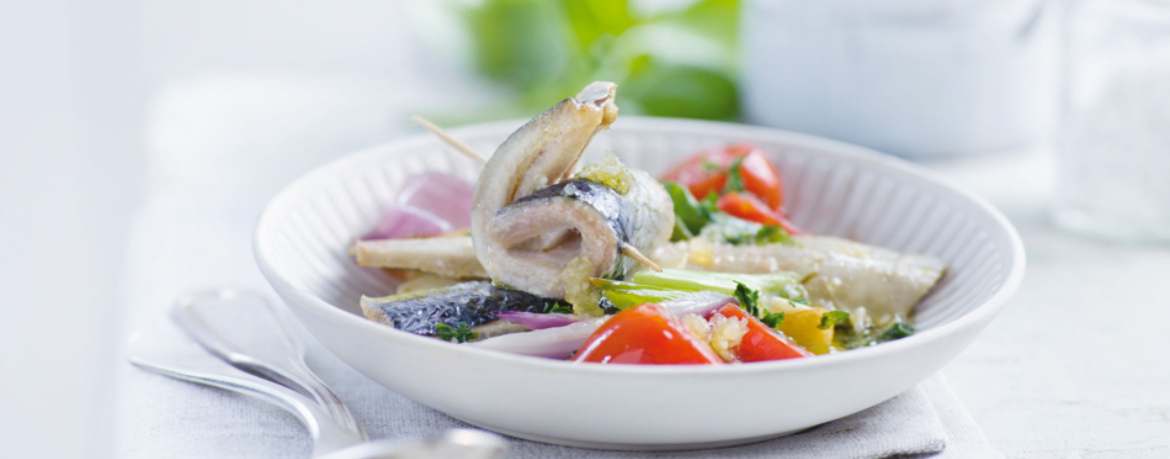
(1075, 367)
(1078, 365)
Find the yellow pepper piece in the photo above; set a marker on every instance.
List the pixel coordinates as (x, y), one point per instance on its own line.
(801, 326)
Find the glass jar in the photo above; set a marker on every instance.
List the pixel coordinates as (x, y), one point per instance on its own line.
(1114, 139)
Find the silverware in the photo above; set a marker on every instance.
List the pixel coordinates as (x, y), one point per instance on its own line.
(162, 354)
(243, 329)
(244, 345)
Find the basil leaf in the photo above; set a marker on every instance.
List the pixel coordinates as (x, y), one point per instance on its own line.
(687, 210)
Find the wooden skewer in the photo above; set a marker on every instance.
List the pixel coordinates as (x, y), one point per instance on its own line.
(451, 140)
(632, 252)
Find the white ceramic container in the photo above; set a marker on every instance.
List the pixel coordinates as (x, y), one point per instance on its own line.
(834, 188)
(915, 78)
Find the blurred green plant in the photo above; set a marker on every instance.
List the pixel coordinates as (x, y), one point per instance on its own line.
(678, 63)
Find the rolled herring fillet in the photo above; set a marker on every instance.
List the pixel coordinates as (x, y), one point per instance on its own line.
(845, 273)
(537, 230)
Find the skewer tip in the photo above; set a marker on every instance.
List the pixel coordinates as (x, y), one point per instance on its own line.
(450, 139)
(632, 252)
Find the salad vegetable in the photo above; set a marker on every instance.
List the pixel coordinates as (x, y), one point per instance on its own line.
(651, 286)
(761, 342)
(645, 334)
(606, 264)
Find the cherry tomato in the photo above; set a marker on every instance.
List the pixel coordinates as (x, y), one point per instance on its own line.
(761, 342)
(645, 334)
(707, 173)
(750, 208)
(761, 178)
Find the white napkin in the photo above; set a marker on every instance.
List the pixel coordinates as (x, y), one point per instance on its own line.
(194, 232)
(199, 242)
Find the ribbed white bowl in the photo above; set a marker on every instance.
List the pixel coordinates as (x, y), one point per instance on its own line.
(832, 188)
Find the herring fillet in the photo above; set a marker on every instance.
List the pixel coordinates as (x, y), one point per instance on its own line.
(448, 256)
(544, 231)
(844, 273)
(536, 232)
(469, 304)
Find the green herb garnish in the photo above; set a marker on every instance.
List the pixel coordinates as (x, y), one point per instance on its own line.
(749, 300)
(897, 331)
(773, 319)
(737, 231)
(460, 334)
(554, 307)
(690, 215)
(734, 177)
(832, 318)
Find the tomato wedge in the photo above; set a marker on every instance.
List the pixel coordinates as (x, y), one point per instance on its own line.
(707, 172)
(761, 178)
(761, 342)
(748, 207)
(647, 335)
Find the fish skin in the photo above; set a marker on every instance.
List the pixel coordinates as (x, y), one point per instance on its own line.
(603, 218)
(544, 151)
(844, 273)
(471, 304)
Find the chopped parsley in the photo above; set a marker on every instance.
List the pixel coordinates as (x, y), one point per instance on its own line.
(460, 334)
(832, 318)
(554, 307)
(897, 331)
(773, 319)
(749, 300)
(734, 177)
(848, 338)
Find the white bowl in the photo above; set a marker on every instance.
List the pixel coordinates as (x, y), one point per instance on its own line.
(833, 188)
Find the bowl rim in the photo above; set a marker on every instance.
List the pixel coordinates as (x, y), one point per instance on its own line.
(981, 314)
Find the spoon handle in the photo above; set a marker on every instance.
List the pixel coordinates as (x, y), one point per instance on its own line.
(244, 329)
(186, 361)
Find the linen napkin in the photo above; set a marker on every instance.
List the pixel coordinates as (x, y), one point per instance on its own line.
(184, 243)
(219, 148)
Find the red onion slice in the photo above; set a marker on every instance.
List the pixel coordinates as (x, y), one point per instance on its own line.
(698, 303)
(552, 343)
(400, 221)
(443, 195)
(538, 321)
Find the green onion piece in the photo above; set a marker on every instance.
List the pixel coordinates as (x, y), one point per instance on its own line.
(781, 284)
